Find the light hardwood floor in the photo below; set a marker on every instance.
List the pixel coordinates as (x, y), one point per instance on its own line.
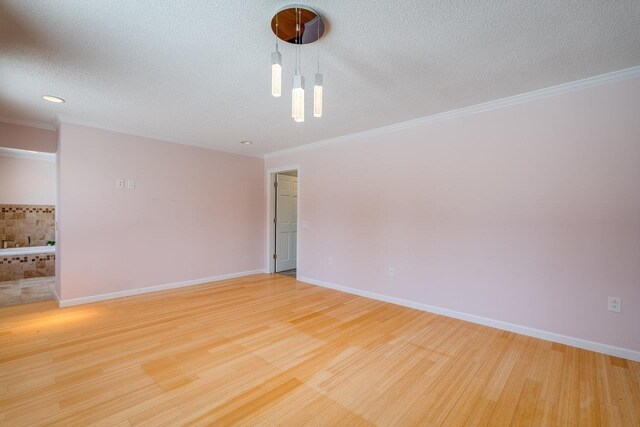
(269, 350)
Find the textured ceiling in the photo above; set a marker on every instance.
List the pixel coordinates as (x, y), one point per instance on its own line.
(198, 72)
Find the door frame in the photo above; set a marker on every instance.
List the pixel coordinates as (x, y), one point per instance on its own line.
(270, 238)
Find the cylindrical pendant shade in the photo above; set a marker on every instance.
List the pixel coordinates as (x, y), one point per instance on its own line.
(317, 96)
(297, 98)
(276, 73)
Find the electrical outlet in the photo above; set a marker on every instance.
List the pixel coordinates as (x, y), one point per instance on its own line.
(131, 184)
(330, 260)
(392, 271)
(119, 183)
(615, 304)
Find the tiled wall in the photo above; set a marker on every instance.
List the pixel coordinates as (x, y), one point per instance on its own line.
(17, 222)
(17, 267)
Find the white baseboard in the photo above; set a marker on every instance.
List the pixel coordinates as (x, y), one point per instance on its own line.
(55, 294)
(498, 324)
(127, 293)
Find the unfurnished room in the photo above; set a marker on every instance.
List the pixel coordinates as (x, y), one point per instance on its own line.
(358, 213)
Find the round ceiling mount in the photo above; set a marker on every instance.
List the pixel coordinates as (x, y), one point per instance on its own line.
(297, 24)
(52, 98)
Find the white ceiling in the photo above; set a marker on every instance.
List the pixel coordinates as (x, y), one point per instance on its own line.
(198, 72)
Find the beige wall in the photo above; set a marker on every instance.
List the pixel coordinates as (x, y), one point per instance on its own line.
(194, 213)
(28, 138)
(528, 214)
(27, 181)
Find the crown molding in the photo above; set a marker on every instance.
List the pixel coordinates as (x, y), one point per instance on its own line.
(27, 154)
(56, 122)
(29, 123)
(589, 82)
(75, 121)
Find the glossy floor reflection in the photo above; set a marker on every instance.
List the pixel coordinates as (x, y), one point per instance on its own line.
(271, 350)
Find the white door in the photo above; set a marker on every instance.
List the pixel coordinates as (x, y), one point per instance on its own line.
(286, 222)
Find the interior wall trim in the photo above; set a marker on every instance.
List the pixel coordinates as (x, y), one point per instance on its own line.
(26, 154)
(498, 324)
(28, 123)
(60, 119)
(560, 89)
(120, 294)
(612, 77)
(269, 266)
(55, 294)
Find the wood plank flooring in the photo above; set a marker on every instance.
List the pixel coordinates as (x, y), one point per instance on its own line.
(273, 351)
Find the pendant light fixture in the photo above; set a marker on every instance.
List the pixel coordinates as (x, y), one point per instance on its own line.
(276, 68)
(276, 73)
(297, 25)
(317, 88)
(297, 93)
(317, 96)
(297, 98)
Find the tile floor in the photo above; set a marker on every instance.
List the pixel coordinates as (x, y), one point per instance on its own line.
(26, 291)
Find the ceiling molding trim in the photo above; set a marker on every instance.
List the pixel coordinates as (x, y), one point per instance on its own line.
(56, 122)
(551, 91)
(26, 154)
(74, 121)
(29, 123)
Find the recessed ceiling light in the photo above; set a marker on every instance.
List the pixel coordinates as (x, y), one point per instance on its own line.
(51, 98)
(246, 142)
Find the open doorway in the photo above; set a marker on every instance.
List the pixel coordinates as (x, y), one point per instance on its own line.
(283, 215)
(27, 226)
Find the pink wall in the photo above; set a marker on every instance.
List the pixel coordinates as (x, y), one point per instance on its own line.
(27, 182)
(28, 138)
(529, 214)
(195, 213)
